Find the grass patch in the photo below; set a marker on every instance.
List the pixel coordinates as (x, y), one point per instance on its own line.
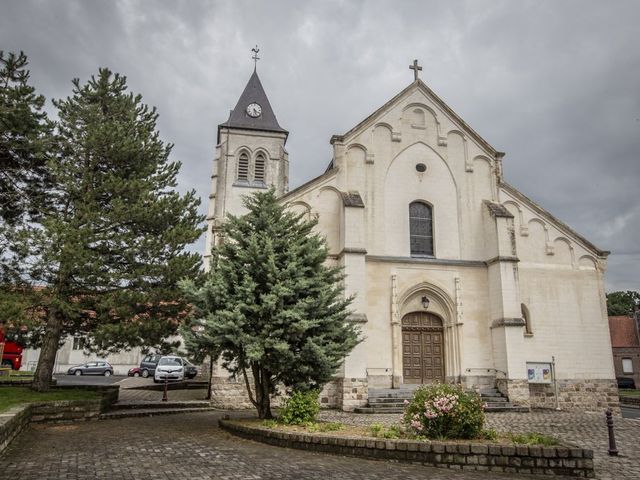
(311, 427)
(488, 436)
(629, 393)
(380, 431)
(12, 396)
(534, 439)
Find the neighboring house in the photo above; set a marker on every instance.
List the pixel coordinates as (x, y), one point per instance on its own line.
(72, 353)
(457, 275)
(625, 343)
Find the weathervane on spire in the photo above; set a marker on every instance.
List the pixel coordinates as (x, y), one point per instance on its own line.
(255, 56)
(416, 68)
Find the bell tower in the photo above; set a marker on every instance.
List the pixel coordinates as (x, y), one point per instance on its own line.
(250, 156)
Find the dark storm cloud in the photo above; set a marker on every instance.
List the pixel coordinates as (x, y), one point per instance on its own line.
(554, 84)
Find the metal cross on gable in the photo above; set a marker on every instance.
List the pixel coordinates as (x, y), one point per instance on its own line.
(416, 68)
(255, 56)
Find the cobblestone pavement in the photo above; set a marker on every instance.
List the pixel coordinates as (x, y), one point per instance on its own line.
(186, 446)
(584, 429)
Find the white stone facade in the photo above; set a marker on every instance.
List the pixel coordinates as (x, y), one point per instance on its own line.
(510, 283)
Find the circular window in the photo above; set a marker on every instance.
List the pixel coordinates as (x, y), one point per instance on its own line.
(421, 167)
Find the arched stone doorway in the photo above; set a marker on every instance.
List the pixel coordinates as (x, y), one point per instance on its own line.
(422, 348)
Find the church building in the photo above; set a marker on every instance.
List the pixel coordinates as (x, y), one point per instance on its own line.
(457, 276)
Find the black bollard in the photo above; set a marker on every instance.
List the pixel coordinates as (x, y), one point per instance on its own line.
(613, 450)
(164, 393)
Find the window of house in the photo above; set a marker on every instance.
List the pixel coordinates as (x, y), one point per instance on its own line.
(79, 343)
(243, 167)
(527, 320)
(420, 229)
(259, 169)
(627, 365)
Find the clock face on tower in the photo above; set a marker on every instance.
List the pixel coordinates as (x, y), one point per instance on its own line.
(254, 110)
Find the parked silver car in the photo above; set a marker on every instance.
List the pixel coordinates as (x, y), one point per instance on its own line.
(92, 368)
(169, 368)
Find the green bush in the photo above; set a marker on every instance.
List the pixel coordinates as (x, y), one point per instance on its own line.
(444, 411)
(300, 408)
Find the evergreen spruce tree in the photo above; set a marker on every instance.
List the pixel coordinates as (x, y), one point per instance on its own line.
(270, 305)
(25, 137)
(108, 252)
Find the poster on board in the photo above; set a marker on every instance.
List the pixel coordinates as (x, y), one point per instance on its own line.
(539, 372)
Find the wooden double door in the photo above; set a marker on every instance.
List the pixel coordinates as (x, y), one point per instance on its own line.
(422, 348)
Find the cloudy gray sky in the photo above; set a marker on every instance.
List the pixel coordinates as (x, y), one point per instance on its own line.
(554, 84)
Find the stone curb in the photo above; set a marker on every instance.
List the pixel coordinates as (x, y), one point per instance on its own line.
(630, 401)
(526, 459)
(132, 413)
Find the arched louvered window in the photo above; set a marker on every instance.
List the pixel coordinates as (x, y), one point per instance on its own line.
(243, 167)
(421, 229)
(259, 169)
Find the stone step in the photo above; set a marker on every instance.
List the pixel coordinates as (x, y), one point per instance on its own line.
(391, 394)
(386, 400)
(489, 391)
(378, 410)
(509, 408)
(128, 413)
(488, 399)
(133, 405)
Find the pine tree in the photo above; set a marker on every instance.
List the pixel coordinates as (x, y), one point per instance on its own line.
(25, 136)
(109, 251)
(271, 306)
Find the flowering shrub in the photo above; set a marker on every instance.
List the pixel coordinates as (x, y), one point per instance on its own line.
(444, 411)
(300, 408)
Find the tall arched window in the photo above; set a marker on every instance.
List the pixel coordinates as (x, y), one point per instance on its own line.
(243, 167)
(259, 168)
(420, 229)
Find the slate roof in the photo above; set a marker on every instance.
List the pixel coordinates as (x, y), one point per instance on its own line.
(623, 332)
(253, 93)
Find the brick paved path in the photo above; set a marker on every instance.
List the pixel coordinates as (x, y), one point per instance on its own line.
(186, 446)
(191, 446)
(585, 430)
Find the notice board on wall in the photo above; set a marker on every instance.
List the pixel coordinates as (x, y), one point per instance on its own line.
(539, 372)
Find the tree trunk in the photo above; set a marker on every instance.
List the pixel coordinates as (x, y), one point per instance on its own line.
(210, 383)
(47, 359)
(263, 400)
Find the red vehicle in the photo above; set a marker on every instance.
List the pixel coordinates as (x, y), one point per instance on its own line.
(11, 353)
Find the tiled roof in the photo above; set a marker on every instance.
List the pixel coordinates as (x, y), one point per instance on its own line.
(623, 332)
(253, 93)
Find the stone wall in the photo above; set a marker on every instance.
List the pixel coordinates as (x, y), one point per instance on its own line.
(331, 394)
(528, 459)
(577, 395)
(231, 394)
(12, 423)
(516, 390)
(352, 393)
